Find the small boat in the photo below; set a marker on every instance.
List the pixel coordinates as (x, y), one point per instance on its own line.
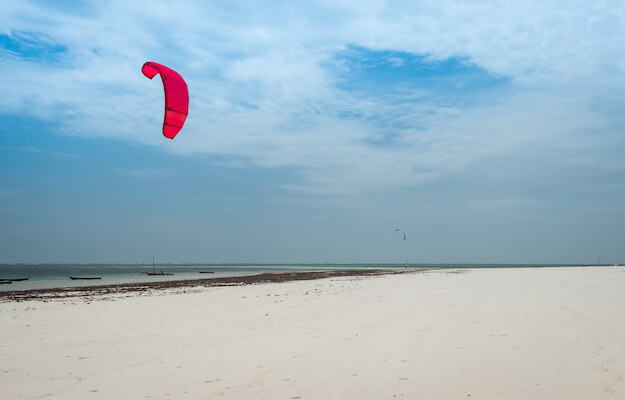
(154, 272)
(159, 273)
(13, 279)
(207, 272)
(5, 282)
(74, 278)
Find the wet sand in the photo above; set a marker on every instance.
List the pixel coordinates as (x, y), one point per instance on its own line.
(532, 333)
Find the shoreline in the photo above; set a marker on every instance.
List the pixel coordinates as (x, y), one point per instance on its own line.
(161, 286)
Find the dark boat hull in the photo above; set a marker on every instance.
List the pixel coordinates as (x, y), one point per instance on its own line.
(90, 278)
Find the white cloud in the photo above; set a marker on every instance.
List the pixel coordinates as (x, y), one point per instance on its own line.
(261, 89)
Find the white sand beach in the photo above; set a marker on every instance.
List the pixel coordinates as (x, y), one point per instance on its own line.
(532, 333)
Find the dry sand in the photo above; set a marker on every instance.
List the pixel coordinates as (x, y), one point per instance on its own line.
(535, 333)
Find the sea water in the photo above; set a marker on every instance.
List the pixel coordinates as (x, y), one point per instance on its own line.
(45, 276)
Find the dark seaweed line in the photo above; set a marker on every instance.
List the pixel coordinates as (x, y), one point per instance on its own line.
(125, 288)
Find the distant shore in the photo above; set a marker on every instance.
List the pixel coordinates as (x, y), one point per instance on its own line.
(136, 288)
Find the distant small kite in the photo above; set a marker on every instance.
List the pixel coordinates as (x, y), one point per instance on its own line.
(402, 231)
(176, 97)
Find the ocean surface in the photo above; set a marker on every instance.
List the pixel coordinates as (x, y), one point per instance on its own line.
(42, 276)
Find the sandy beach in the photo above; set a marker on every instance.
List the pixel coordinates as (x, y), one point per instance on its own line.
(524, 333)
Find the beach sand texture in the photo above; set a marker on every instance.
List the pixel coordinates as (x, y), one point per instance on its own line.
(527, 333)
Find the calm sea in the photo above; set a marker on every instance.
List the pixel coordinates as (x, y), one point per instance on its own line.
(57, 275)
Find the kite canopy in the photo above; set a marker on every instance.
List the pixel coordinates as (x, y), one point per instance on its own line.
(402, 231)
(176, 97)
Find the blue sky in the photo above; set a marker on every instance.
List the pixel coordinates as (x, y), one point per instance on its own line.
(488, 131)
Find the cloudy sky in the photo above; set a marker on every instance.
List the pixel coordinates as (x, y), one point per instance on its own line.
(489, 131)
